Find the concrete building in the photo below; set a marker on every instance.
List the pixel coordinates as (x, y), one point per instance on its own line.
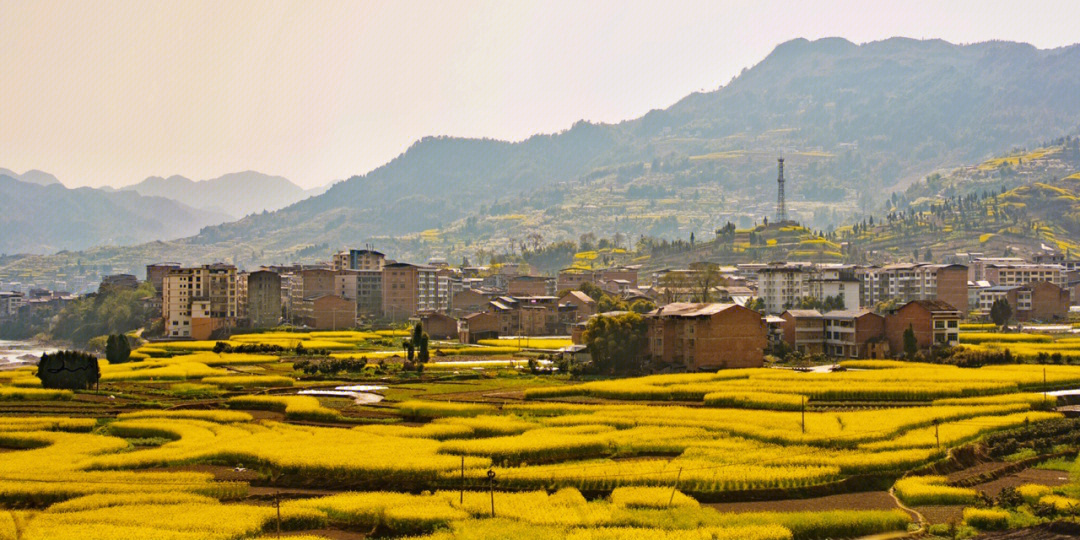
(907, 282)
(369, 291)
(408, 290)
(10, 303)
(359, 259)
(698, 337)
(155, 273)
(327, 312)
(835, 281)
(1023, 273)
(804, 330)
(530, 286)
(855, 334)
(933, 322)
(1040, 301)
(263, 299)
(309, 283)
(198, 301)
(781, 286)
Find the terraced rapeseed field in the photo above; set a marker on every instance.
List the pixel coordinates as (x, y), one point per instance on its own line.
(628, 458)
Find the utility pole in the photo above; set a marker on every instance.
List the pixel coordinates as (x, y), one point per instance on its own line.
(804, 414)
(491, 489)
(277, 506)
(675, 487)
(937, 433)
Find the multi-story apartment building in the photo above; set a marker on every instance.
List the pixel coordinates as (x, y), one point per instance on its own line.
(155, 273)
(907, 282)
(835, 281)
(308, 283)
(781, 286)
(1022, 274)
(359, 259)
(10, 303)
(263, 299)
(1038, 301)
(198, 301)
(408, 290)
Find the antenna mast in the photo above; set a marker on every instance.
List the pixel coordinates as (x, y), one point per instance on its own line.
(781, 208)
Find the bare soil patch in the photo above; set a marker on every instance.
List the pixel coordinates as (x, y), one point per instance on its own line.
(1026, 476)
(953, 513)
(870, 500)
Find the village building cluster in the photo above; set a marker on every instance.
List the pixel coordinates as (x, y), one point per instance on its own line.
(705, 317)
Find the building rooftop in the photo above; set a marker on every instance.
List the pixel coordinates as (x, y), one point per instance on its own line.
(804, 313)
(681, 309)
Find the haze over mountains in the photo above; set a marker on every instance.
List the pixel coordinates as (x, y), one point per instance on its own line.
(41, 215)
(236, 194)
(856, 122)
(38, 218)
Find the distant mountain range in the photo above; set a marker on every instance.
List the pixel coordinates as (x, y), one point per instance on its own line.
(40, 178)
(236, 194)
(39, 218)
(44, 220)
(855, 122)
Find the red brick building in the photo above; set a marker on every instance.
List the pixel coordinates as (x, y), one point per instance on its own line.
(934, 322)
(439, 326)
(472, 328)
(697, 337)
(327, 312)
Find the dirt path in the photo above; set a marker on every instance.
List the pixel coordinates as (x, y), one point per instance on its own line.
(870, 500)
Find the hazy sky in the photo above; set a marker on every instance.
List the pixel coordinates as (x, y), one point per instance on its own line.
(111, 92)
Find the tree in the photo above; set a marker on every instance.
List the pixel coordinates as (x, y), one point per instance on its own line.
(592, 290)
(608, 303)
(117, 349)
(642, 306)
(707, 276)
(123, 348)
(911, 345)
(111, 349)
(420, 341)
(69, 370)
(1000, 312)
(615, 343)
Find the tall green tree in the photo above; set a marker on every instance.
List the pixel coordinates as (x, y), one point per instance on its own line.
(1000, 312)
(420, 342)
(911, 345)
(616, 343)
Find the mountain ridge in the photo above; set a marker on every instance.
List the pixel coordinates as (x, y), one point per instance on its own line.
(237, 194)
